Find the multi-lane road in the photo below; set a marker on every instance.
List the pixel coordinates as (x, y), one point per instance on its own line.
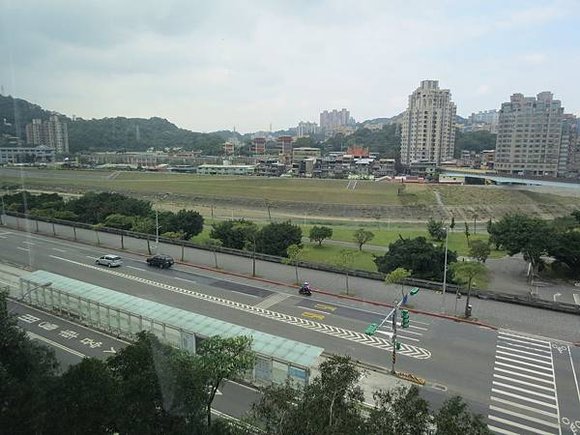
(522, 383)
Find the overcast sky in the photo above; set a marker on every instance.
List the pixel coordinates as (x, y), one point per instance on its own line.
(209, 65)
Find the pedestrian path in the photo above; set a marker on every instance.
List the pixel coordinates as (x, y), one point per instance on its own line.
(523, 397)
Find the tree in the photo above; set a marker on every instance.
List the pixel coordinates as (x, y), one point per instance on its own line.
(213, 245)
(452, 224)
(224, 358)
(399, 411)
(479, 250)
(345, 260)
(188, 222)
(294, 254)
(27, 370)
(436, 229)
(362, 236)
(93, 207)
(518, 233)
(425, 260)
(88, 393)
(319, 234)
(330, 404)
(274, 238)
(454, 418)
(467, 232)
(119, 221)
(233, 233)
(398, 276)
(161, 389)
(564, 245)
(465, 272)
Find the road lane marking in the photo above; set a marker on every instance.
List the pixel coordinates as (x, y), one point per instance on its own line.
(519, 381)
(524, 417)
(26, 242)
(539, 346)
(535, 372)
(574, 373)
(527, 358)
(501, 431)
(533, 378)
(315, 316)
(34, 336)
(511, 349)
(59, 250)
(513, 345)
(523, 390)
(519, 425)
(527, 399)
(141, 269)
(544, 342)
(527, 408)
(22, 249)
(325, 307)
(272, 300)
(503, 358)
(408, 350)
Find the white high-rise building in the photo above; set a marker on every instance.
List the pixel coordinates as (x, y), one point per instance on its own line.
(428, 131)
(335, 119)
(529, 140)
(306, 129)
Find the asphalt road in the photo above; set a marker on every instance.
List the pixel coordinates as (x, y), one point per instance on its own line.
(72, 342)
(520, 381)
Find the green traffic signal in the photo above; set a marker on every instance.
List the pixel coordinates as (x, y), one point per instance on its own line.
(398, 345)
(405, 319)
(371, 329)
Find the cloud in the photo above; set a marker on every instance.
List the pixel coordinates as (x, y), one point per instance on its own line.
(249, 63)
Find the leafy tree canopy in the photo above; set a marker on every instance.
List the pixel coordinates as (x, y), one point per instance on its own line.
(233, 233)
(425, 260)
(319, 234)
(275, 238)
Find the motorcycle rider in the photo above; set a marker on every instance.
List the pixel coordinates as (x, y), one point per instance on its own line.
(305, 289)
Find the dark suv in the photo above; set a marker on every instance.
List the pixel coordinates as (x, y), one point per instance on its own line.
(161, 261)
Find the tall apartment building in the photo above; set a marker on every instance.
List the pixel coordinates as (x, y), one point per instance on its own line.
(34, 133)
(334, 119)
(569, 160)
(529, 140)
(306, 129)
(484, 120)
(52, 133)
(428, 130)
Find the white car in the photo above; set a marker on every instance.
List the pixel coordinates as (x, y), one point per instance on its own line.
(110, 260)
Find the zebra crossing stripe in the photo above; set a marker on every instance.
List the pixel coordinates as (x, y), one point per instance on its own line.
(358, 337)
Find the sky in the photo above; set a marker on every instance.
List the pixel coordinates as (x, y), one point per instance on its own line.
(260, 64)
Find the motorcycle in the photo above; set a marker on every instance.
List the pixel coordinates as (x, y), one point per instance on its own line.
(305, 290)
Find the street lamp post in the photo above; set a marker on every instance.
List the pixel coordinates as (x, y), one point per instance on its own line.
(445, 270)
(3, 217)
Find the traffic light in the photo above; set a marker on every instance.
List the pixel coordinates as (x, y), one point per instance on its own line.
(404, 319)
(414, 291)
(372, 329)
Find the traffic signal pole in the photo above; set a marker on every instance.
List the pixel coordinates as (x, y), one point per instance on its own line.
(374, 327)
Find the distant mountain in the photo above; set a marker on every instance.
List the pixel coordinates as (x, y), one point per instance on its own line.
(111, 134)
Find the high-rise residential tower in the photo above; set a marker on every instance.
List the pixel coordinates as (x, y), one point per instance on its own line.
(529, 140)
(428, 131)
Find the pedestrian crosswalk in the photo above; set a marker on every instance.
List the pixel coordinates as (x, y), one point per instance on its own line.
(523, 394)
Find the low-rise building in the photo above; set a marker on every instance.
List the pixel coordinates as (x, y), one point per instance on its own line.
(39, 154)
(226, 169)
(302, 153)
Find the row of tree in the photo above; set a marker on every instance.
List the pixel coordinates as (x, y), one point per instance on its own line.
(112, 210)
(153, 388)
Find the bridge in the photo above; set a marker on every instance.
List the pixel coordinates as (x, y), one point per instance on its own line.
(507, 179)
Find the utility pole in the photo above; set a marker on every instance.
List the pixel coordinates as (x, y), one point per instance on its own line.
(156, 231)
(445, 270)
(394, 340)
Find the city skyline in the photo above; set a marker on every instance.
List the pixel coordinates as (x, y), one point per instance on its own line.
(225, 65)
